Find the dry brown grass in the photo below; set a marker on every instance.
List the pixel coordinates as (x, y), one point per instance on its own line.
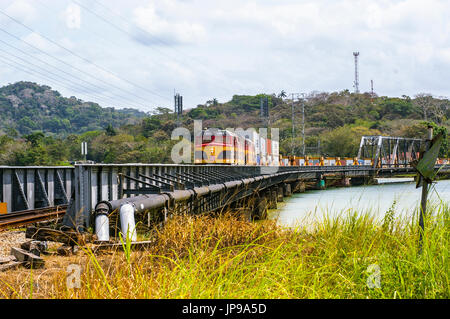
(182, 236)
(227, 257)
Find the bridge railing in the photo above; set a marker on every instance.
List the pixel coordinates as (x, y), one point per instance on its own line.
(23, 188)
(349, 161)
(30, 187)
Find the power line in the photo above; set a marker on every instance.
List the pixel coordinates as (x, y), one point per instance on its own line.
(101, 37)
(62, 71)
(86, 60)
(62, 61)
(23, 68)
(176, 57)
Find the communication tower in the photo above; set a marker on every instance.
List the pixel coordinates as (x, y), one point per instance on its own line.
(356, 84)
(178, 107)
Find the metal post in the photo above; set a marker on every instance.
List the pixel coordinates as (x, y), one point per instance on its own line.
(303, 126)
(425, 185)
(293, 125)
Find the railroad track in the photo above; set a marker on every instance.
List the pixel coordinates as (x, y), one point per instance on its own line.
(31, 216)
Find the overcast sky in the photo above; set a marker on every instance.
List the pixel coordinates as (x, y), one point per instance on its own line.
(135, 53)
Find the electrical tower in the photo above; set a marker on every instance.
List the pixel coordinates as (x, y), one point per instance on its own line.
(264, 107)
(356, 84)
(371, 91)
(300, 97)
(178, 107)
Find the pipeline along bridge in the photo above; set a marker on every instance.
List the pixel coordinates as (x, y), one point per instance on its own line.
(156, 190)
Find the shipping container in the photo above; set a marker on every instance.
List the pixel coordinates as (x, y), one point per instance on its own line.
(275, 148)
(252, 135)
(269, 146)
(262, 149)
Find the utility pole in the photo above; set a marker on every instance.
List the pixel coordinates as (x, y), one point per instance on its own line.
(425, 186)
(293, 125)
(84, 150)
(303, 127)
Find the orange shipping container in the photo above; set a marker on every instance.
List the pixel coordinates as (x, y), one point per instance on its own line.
(3, 208)
(269, 147)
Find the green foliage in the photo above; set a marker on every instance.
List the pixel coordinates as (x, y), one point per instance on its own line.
(52, 127)
(28, 107)
(444, 150)
(110, 131)
(344, 141)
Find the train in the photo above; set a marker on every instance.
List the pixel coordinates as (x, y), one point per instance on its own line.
(215, 146)
(239, 147)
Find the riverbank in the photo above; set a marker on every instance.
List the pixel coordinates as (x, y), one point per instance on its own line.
(350, 256)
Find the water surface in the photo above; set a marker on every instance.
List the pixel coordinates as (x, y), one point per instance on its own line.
(375, 199)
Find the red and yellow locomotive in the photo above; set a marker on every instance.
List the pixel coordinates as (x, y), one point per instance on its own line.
(223, 147)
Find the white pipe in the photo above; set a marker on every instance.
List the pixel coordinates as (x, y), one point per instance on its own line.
(102, 227)
(127, 222)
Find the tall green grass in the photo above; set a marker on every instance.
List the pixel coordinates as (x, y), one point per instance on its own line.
(227, 257)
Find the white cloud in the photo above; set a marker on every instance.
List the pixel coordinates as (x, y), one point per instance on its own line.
(73, 16)
(168, 27)
(22, 10)
(224, 47)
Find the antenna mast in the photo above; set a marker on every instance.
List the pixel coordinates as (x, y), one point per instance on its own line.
(356, 84)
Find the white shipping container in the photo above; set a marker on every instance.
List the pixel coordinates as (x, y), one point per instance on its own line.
(253, 136)
(262, 148)
(276, 160)
(275, 149)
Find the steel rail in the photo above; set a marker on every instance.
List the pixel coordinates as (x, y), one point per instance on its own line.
(24, 217)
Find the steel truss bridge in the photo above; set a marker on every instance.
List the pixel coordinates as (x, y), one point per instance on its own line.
(86, 188)
(89, 190)
(390, 151)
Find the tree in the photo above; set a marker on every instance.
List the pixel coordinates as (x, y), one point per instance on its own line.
(150, 124)
(424, 102)
(110, 131)
(35, 138)
(344, 141)
(444, 150)
(282, 94)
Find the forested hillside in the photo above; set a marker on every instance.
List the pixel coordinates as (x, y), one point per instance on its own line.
(39, 127)
(28, 107)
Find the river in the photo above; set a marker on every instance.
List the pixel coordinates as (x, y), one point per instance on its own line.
(313, 205)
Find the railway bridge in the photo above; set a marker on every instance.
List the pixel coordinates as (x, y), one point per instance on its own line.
(152, 191)
(93, 196)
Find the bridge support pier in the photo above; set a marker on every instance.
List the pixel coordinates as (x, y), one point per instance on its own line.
(287, 190)
(260, 208)
(321, 184)
(345, 182)
(280, 194)
(273, 198)
(357, 181)
(298, 187)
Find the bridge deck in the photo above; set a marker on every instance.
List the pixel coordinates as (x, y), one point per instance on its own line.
(26, 188)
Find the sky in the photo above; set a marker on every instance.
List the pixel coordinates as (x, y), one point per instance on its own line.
(138, 53)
